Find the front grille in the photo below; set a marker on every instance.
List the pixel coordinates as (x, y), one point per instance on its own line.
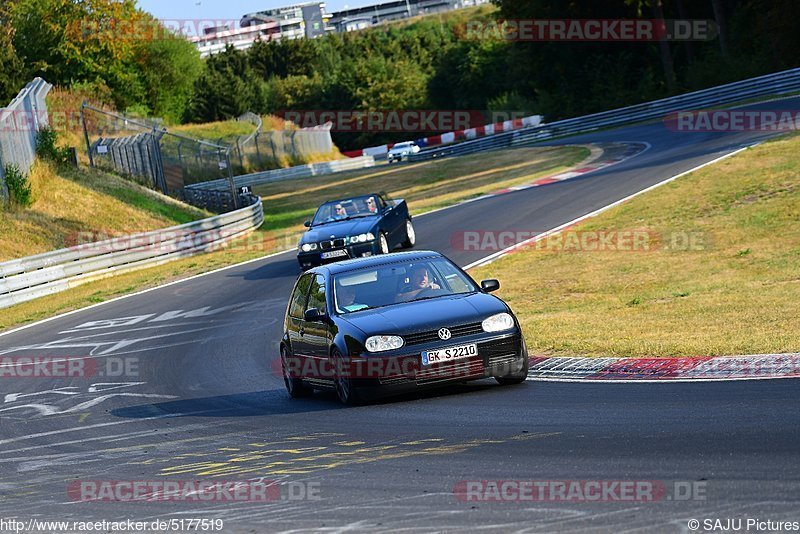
(433, 335)
(331, 244)
(493, 357)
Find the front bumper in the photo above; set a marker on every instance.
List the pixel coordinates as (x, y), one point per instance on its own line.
(497, 356)
(307, 260)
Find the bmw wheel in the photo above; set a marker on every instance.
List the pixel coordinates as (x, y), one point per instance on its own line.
(411, 235)
(384, 243)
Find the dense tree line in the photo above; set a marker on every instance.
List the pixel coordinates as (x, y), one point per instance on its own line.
(424, 64)
(429, 64)
(111, 51)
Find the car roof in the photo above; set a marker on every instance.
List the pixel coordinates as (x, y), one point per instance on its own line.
(376, 261)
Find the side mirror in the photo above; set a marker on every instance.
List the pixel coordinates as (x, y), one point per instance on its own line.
(307, 224)
(490, 285)
(313, 315)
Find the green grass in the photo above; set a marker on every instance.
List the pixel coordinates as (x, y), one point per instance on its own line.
(736, 291)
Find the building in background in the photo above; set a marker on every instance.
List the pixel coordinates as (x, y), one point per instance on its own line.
(310, 20)
(215, 40)
(307, 20)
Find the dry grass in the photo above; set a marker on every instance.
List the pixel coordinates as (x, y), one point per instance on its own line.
(739, 294)
(68, 201)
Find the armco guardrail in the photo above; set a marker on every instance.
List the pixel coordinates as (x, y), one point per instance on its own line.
(292, 173)
(781, 83)
(36, 276)
(19, 124)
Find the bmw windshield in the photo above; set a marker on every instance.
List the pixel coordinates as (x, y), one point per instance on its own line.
(398, 283)
(342, 210)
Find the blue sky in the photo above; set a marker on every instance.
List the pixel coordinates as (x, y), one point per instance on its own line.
(227, 9)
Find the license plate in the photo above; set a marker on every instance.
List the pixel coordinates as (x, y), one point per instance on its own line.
(334, 254)
(450, 354)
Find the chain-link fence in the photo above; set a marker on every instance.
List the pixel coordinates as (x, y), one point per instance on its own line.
(267, 149)
(144, 151)
(19, 124)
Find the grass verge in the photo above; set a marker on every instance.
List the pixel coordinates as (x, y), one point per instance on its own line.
(68, 201)
(720, 274)
(427, 186)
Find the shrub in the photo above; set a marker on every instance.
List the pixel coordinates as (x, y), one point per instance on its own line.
(47, 148)
(19, 187)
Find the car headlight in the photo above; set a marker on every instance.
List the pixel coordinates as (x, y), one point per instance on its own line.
(382, 343)
(308, 247)
(498, 323)
(362, 238)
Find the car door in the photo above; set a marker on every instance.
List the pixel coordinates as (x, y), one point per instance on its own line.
(315, 334)
(393, 223)
(295, 327)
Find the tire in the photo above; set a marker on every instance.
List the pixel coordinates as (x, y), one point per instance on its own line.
(347, 393)
(295, 387)
(515, 378)
(411, 235)
(383, 243)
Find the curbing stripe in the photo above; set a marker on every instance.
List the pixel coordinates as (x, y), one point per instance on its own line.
(755, 367)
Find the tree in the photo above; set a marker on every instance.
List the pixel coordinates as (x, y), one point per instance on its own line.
(12, 70)
(170, 66)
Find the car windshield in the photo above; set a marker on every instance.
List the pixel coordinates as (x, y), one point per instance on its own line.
(397, 283)
(401, 146)
(351, 208)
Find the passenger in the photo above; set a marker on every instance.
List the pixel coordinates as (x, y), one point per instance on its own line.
(419, 281)
(346, 299)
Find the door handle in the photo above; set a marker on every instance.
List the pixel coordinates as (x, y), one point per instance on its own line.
(302, 331)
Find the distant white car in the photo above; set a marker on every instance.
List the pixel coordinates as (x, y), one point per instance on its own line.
(401, 151)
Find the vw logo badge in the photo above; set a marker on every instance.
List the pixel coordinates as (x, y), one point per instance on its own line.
(444, 334)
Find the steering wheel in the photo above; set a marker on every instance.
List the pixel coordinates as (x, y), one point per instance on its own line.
(426, 291)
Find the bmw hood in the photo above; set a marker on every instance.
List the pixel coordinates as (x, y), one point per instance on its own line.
(339, 229)
(425, 315)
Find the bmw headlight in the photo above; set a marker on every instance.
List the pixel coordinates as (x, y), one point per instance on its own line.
(362, 238)
(498, 323)
(308, 247)
(382, 343)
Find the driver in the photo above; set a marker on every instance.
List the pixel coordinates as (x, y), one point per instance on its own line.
(419, 281)
(339, 212)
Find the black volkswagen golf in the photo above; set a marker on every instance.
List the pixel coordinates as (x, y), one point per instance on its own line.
(397, 322)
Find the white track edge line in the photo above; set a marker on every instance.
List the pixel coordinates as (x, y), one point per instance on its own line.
(142, 292)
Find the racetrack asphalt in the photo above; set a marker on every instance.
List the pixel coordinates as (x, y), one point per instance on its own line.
(201, 401)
